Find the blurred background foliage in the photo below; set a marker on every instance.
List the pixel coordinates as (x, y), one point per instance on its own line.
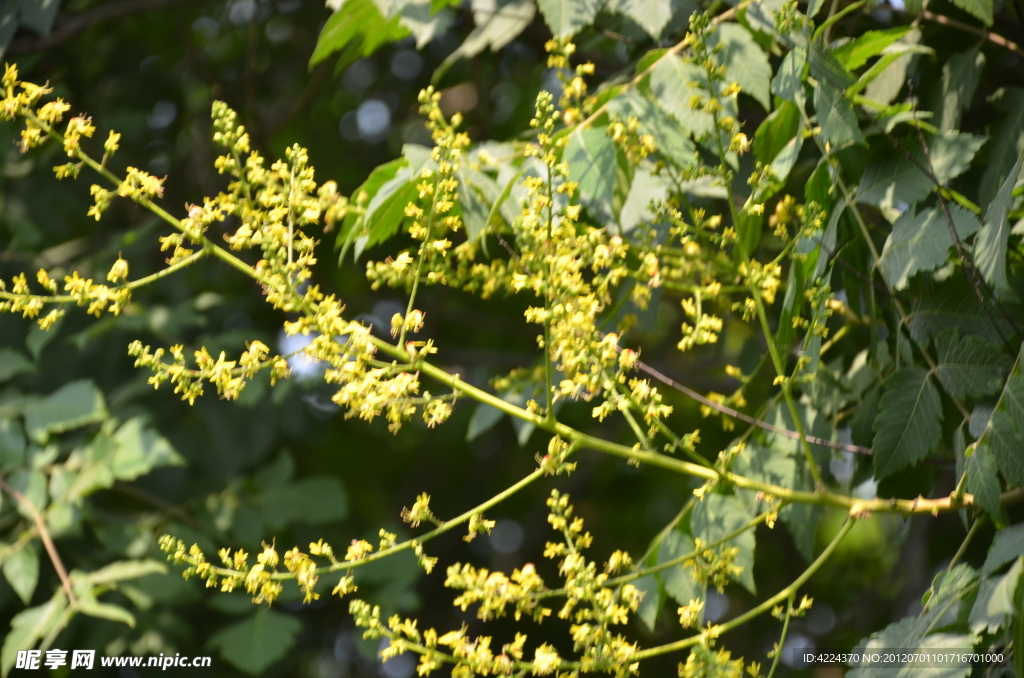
(283, 464)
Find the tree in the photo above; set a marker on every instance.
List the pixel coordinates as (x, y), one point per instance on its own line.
(793, 220)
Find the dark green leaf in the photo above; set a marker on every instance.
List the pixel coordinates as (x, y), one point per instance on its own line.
(22, 572)
(255, 643)
(909, 636)
(908, 426)
(31, 625)
(12, 364)
(969, 367)
(960, 77)
(983, 481)
(651, 15)
(921, 242)
(776, 131)
(952, 303)
(994, 606)
(483, 419)
(140, 450)
(653, 599)
(566, 17)
(979, 8)
(358, 28)
(892, 178)
(834, 112)
(678, 582)
(12, 444)
(74, 405)
(1007, 545)
(993, 239)
(498, 22)
(316, 501)
(378, 178)
(856, 52)
(1004, 433)
(949, 585)
(1008, 142)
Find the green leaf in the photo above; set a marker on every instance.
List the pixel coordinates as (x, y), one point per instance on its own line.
(74, 405)
(140, 450)
(834, 112)
(22, 572)
(979, 8)
(1007, 544)
(776, 131)
(969, 367)
(908, 427)
(1007, 145)
(671, 86)
(856, 52)
(38, 338)
(960, 76)
(591, 156)
(653, 599)
(12, 444)
(778, 465)
(1004, 432)
(788, 82)
(255, 643)
(909, 636)
(32, 485)
(477, 192)
(921, 242)
(645, 188)
(992, 242)
(12, 364)
(673, 144)
(498, 22)
(952, 303)
(892, 178)
(888, 76)
(566, 17)
(357, 29)
(949, 585)
(124, 570)
(746, 63)
(378, 178)
(315, 501)
(677, 580)
(90, 607)
(983, 481)
(650, 15)
(31, 625)
(420, 19)
(719, 515)
(994, 605)
(483, 419)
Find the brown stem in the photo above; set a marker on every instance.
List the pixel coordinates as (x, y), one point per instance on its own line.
(44, 534)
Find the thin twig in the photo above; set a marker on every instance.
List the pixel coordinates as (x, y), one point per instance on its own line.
(44, 535)
(814, 440)
(994, 38)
